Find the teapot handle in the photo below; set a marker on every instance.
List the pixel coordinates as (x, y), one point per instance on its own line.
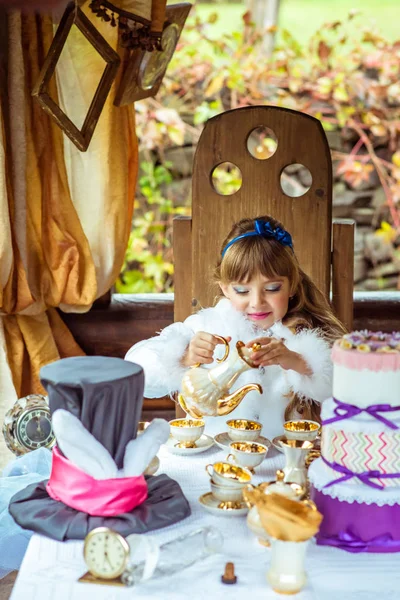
(224, 341)
(226, 354)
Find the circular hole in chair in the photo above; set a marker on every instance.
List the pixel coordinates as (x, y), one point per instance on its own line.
(226, 179)
(296, 180)
(262, 143)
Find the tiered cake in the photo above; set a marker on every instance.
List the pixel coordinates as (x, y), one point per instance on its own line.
(356, 482)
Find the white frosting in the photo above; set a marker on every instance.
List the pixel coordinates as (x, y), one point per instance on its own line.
(363, 422)
(320, 475)
(364, 388)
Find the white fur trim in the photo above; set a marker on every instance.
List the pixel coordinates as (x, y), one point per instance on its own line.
(317, 354)
(176, 339)
(160, 358)
(223, 319)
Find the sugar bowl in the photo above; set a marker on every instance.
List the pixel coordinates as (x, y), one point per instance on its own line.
(278, 486)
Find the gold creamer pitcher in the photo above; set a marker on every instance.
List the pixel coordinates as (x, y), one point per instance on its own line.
(205, 392)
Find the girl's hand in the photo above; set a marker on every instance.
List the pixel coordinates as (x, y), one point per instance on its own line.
(201, 349)
(274, 352)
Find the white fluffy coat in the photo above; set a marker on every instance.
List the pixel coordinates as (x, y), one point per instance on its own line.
(160, 358)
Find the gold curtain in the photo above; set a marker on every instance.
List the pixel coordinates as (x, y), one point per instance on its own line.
(65, 216)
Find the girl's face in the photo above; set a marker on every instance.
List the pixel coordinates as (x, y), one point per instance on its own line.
(264, 301)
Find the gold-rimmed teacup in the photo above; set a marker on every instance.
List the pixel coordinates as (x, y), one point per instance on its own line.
(243, 430)
(226, 493)
(226, 474)
(186, 431)
(301, 429)
(247, 454)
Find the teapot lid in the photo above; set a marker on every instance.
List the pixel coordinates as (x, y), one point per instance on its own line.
(293, 491)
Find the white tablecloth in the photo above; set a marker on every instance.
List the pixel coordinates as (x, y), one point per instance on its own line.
(50, 569)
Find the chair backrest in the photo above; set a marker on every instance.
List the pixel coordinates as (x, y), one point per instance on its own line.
(327, 257)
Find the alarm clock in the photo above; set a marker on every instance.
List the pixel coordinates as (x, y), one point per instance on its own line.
(27, 425)
(106, 553)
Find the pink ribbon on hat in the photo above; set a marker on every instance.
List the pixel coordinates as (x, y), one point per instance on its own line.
(96, 497)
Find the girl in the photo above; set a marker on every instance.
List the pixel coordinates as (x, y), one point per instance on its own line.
(265, 298)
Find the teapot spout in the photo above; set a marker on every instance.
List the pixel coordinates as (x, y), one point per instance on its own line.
(228, 403)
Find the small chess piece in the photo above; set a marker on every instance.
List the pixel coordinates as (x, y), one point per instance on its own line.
(229, 576)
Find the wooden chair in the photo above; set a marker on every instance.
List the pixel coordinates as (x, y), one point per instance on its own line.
(324, 251)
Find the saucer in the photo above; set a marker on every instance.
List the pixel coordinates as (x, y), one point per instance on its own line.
(223, 440)
(153, 466)
(275, 442)
(202, 444)
(211, 504)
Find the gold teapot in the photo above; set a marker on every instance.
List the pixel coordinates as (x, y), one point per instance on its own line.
(253, 497)
(205, 392)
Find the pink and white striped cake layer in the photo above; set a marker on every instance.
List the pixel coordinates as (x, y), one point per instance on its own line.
(361, 452)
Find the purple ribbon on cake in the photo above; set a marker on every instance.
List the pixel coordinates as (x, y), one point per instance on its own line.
(364, 477)
(352, 543)
(348, 411)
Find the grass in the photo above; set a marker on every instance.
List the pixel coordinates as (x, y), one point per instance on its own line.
(304, 17)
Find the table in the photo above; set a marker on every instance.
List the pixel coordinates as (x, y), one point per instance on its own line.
(50, 569)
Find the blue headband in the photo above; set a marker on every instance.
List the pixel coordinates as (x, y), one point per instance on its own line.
(264, 229)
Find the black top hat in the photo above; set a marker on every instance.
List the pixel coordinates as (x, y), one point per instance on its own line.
(106, 395)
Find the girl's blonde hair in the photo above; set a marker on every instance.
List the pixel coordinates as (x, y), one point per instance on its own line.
(308, 306)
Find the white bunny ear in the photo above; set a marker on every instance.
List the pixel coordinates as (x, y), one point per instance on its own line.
(160, 430)
(81, 447)
(139, 452)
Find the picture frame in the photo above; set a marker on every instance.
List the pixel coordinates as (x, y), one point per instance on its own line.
(73, 15)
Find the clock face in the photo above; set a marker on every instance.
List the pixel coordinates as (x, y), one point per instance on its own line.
(106, 553)
(34, 429)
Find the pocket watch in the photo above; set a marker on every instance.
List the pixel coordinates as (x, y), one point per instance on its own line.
(27, 425)
(106, 553)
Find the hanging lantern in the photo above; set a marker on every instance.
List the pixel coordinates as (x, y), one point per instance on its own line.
(143, 70)
(141, 22)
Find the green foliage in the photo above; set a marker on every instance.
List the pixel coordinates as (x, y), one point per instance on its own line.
(349, 82)
(304, 17)
(148, 263)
